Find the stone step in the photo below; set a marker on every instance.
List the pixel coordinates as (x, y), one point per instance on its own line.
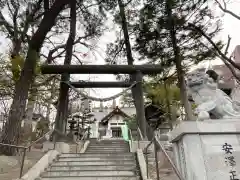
(96, 168)
(95, 158)
(109, 143)
(88, 173)
(105, 151)
(107, 148)
(117, 145)
(96, 146)
(150, 158)
(90, 151)
(88, 163)
(149, 155)
(110, 147)
(124, 145)
(128, 154)
(112, 142)
(91, 178)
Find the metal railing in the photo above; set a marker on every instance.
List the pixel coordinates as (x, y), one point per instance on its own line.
(130, 139)
(130, 134)
(136, 137)
(157, 145)
(22, 151)
(140, 134)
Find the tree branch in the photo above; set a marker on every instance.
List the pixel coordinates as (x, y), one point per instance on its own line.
(46, 5)
(228, 44)
(79, 60)
(227, 61)
(222, 55)
(61, 46)
(30, 17)
(224, 9)
(15, 16)
(7, 26)
(46, 81)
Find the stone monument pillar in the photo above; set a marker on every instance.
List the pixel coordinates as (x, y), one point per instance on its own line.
(207, 150)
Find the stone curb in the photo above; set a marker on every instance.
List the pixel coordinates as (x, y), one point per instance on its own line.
(142, 164)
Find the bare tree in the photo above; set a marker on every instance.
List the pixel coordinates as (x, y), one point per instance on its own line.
(11, 132)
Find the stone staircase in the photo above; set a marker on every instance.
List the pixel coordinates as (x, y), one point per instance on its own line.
(104, 160)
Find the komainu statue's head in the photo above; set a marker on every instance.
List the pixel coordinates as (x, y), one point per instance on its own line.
(196, 79)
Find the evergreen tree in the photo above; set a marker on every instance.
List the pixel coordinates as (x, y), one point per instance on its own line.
(152, 31)
(163, 37)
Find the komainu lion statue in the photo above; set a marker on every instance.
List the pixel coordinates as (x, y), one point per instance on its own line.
(209, 98)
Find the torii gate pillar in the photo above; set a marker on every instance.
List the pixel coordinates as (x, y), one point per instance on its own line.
(139, 103)
(62, 107)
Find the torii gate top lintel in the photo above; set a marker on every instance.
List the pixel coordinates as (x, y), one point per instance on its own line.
(101, 69)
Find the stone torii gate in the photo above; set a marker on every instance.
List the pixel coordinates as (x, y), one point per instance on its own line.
(137, 71)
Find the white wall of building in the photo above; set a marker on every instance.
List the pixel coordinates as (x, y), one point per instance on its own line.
(115, 121)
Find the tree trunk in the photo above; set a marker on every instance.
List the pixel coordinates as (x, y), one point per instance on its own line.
(178, 63)
(27, 126)
(166, 86)
(49, 104)
(48, 111)
(62, 110)
(29, 112)
(137, 91)
(11, 132)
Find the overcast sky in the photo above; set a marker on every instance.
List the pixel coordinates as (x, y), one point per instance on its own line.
(231, 26)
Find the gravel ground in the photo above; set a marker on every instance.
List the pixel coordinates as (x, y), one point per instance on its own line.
(10, 165)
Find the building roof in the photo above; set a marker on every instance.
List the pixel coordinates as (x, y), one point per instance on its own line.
(116, 111)
(129, 110)
(227, 80)
(99, 115)
(236, 54)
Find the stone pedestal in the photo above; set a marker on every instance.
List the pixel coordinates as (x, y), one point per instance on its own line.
(135, 145)
(61, 147)
(207, 150)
